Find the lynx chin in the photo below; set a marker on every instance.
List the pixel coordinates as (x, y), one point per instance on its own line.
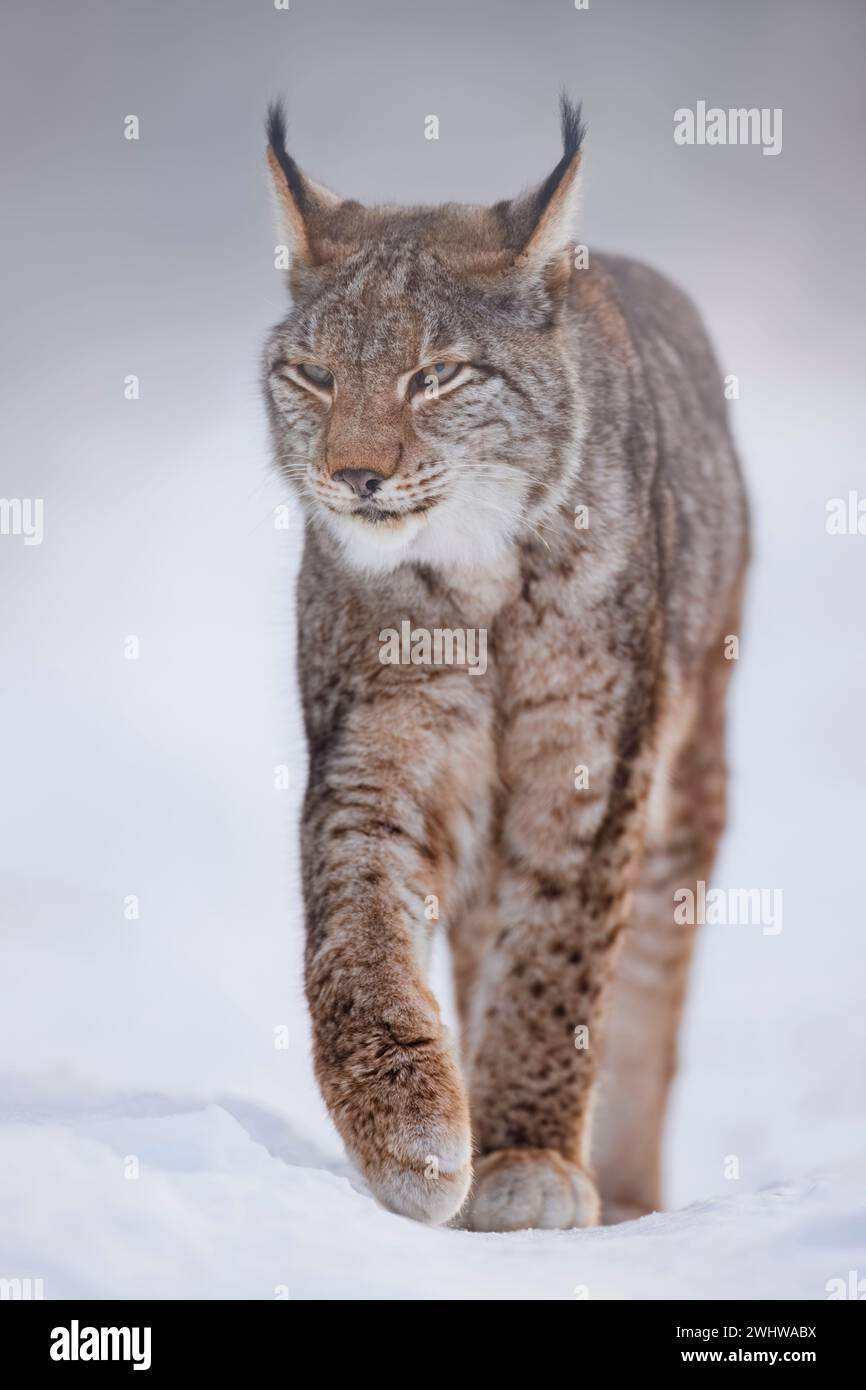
(446, 390)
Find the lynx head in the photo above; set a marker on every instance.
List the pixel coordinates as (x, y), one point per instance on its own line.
(421, 397)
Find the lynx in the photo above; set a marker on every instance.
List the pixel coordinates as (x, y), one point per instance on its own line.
(485, 437)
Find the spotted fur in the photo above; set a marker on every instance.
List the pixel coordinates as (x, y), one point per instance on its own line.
(580, 388)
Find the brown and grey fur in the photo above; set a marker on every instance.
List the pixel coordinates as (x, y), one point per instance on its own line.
(589, 387)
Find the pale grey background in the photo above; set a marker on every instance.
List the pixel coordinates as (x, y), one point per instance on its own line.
(156, 257)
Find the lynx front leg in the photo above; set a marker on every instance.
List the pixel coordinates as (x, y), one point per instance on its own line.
(389, 807)
(569, 860)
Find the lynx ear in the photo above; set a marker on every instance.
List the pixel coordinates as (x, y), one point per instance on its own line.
(543, 221)
(301, 204)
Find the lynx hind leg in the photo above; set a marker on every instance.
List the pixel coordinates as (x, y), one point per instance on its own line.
(686, 818)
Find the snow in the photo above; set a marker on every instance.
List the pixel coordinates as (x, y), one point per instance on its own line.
(230, 1203)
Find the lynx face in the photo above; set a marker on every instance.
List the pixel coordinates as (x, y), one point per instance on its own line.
(421, 399)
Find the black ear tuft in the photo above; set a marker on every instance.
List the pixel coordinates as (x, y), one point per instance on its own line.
(275, 125)
(573, 128)
(573, 131)
(276, 129)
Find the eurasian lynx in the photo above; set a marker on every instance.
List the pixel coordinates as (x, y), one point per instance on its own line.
(490, 437)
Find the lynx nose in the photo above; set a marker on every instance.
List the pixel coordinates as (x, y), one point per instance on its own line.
(363, 481)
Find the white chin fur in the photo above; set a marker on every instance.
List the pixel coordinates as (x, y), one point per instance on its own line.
(457, 531)
(370, 546)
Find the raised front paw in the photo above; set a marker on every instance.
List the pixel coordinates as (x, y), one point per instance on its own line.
(518, 1189)
(396, 1095)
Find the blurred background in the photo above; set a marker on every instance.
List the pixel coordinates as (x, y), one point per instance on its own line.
(160, 778)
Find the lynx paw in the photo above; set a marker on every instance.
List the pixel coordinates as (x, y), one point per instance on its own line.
(398, 1101)
(517, 1189)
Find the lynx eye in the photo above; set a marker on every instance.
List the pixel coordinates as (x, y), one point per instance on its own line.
(429, 379)
(317, 376)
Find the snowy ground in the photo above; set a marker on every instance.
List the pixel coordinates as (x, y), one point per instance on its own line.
(231, 1204)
